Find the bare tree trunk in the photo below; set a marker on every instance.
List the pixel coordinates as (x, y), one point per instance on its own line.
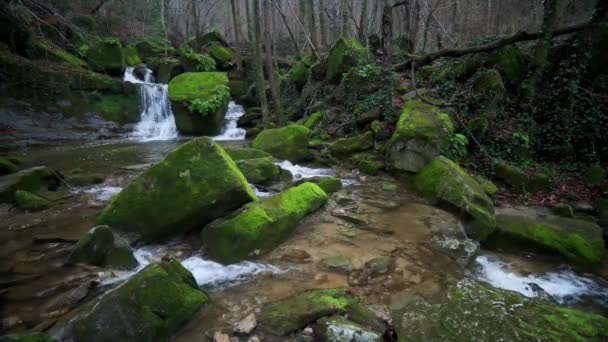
(375, 14)
(259, 64)
(323, 24)
(163, 22)
(236, 24)
(274, 85)
(344, 16)
(250, 30)
(387, 33)
(364, 21)
(312, 24)
(277, 5)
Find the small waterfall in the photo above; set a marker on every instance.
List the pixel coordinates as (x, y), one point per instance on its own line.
(230, 130)
(157, 121)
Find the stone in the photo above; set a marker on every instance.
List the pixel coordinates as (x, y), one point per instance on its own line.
(30, 202)
(7, 167)
(131, 56)
(421, 133)
(489, 85)
(347, 146)
(121, 258)
(259, 171)
(344, 55)
(260, 226)
(149, 49)
(511, 62)
(350, 217)
(488, 186)
(289, 142)
(219, 336)
(446, 181)
(245, 153)
(106, 56)
(199, 101)
(382, 204)
(98, 248)
(299, 256)
(299, 72)
(463, 251)
(224, 57)
(166, 68)
(34, 180)
(378, 266)
(337, 264)
(337, 328)
(313, 120)
(328, 184)
(246, 325)
(519, 180)
(196, 183)
(150, 306)
(81, 180)
(368, 163)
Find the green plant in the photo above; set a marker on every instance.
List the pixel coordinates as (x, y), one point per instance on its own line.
(457, 149)
(213, 103)
(203, 63)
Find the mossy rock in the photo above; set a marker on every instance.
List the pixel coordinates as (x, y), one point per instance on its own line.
(289, 142)
(516, 318)
(120, 108)
(106, 56)
(7, 167)
(245, 153)
(488, 186)
(328, 184)
(512, 63)
(94, 247)
(148, 49)
(34, 180)
(369, 163)
(195, 184)
(576, 240)
(338, 328)
(519, 180)
(262, 225)
(289, 315)
(446, 181)
(344, 55)
(594, 175)
(208, 87)
(151, 306)
(121, 258)
(299, 72)
(211, 37)
(259, 170)
(27, 338)
(30, 202)
(239, 88)
(44, 49)
(224, 57)
(313, 120)
(422, 132)
(131, 56)
(166, 69)
(348, 146)
(489, 85)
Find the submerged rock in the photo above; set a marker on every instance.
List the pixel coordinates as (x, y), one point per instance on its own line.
(195, 184)
(200, 101)
(499, 315)
(421, 133)
(246, 325)
(290, 142)
(34, 180)
(260, 226)
(289, 315)
(98, 248)
(151, 306)
(259, 170)
(576, 240)
(30, 202)
(446, 181)
(337, 328)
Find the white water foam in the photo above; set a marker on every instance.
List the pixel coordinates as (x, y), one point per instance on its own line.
(231, 132)
(157, 121)
(564, 286)
(260, 193)
(103, 193)
(301, 172)
(208, 274)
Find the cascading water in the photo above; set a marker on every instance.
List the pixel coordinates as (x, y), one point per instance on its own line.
(231, 131)
(157, 121)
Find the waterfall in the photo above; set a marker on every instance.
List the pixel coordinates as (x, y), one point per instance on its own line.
(230, 130)
(156, 119)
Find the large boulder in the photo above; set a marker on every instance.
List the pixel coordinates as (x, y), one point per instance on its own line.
(422, 132)
(344, 55)
(211, 37)
(501, 315)
(245, 153)
(148, 49)
(576, 240)
(99, 247)
(289, 315)
(290, 142)
(30, 202)
(299, 72)
(200, 101)
(259, 170)
(131, 56)
(446, 181)
(166, 69)
(489, 85)
(151, 306)
(224, 57)
(35, 180)
(347, 146)
(260, 226)
(195, 184)
(107, 56)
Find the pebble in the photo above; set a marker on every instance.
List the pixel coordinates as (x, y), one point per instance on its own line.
(246, 325)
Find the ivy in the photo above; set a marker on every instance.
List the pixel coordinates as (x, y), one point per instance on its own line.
(212, 104)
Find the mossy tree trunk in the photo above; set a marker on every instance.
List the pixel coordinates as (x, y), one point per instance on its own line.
(259, 63)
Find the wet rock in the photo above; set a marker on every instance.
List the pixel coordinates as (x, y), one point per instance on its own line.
(576, 240)
(381, 311)
(421, 133)
(106, 56)
(34, 180)
(463, 251)
(337, 264)
(261, 225)
(390, 187)
(254, 339)
(328, 184)
(343, 200)
(296, 256)
(98, 248)
(382, 204)
(121, 258)
(337, 328)
(348, 146)
(246, 325)
(85, 180)
(71, 298)
(290, 142)
(219, 336)
(446, 181)
(378, 266)
(196, 183)
(30, 202)
(539, 292)
(368, 163)
(151, 306)
(350, 217)
(289, 315)
(259, 170)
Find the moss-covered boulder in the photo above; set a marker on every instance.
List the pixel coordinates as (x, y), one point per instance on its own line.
(489, 85)
(200, 101)
(260, 226)
(344, 55)
(338, 328)
(576, 240)
(107, 56)
(422, 132)
(224, 57)
(299, 72)
(289, 315)
(7, 167)
(500, 315)
(245, 153)
(99, 247)
(27, 338)
(151, 306)
(195, 184)
(446, 181)
(259, 170)
(488, 186)
(290, 142)
(35, 180)
(211, 37)
(328, 184)
(313, 120)
(369, 163)
(511, 62)
(30, 202)
(131, 56)
(41, 48)
(519, 180)
(166, 69)
(347, 146)
(148, 49)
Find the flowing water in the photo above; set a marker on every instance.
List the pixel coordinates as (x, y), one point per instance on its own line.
(231, 131)
(157, 121)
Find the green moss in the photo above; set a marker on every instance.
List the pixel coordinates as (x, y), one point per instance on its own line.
(259, 170)
(313, 120)
(488, 186)
(151, 306)
(369, 163)
(246, 153)
(446, 181)
(94, 247)
(149, 49)
(328, 184)
(260, 226)
(199, 85)
(106, 55)
(576, 240)
(511, 62)
(344, 55)
(34, 180)
(7, 167)
(468, 66)
(290, 142)
(347, 146)
(131, 56)
(198, 62)
(30, 202)
(195, 184)
(518, 180)
(121, 258)
(594, 175)
(223, 56)
(115, 107)
(299, 72)
(165, 68)
(489, 84)
(45, 49)
(211, 37)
